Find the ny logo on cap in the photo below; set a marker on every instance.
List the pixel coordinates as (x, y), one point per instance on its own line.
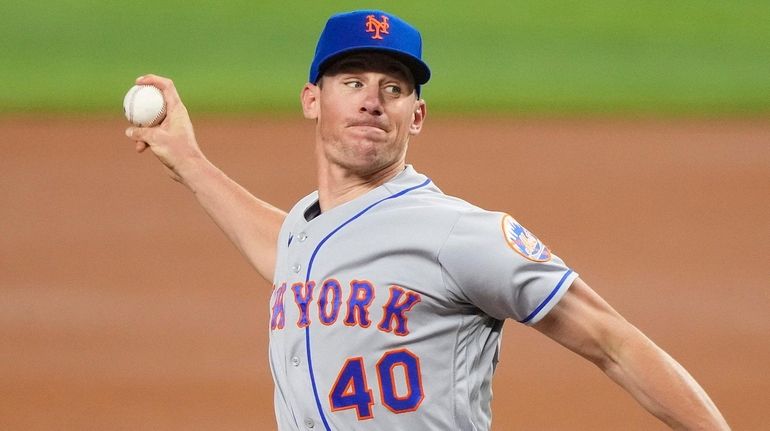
(377, 27)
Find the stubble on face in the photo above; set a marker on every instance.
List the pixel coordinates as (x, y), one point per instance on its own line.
(363, 127)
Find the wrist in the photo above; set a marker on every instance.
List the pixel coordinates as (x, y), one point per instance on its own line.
(196, 171)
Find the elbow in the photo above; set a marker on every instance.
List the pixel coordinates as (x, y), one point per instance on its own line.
(614, 343)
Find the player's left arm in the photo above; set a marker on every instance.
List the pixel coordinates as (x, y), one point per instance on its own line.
(586, 324)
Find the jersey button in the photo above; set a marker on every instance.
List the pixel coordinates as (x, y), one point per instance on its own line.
(302, 236)
(309, 423)
(295, 361)
(296, 267)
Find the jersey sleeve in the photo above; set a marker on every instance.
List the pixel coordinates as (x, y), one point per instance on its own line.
(494, 263)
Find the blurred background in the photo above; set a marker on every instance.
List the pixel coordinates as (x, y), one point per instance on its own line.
(551, 57)
(632, 137)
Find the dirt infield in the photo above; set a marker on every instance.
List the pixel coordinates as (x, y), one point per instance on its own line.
(122, 307)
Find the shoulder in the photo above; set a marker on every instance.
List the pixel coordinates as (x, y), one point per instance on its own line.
(429, 207)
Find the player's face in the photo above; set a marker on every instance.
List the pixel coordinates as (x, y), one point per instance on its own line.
(366, 109)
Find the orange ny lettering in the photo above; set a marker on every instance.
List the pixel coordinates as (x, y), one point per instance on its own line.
(377, 27)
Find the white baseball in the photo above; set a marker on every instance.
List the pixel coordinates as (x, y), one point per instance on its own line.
(144, 106)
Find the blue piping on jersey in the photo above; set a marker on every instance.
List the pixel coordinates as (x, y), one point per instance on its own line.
(548, 299)
(307, 278)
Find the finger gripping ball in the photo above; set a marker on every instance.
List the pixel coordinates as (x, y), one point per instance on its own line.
(144, 106)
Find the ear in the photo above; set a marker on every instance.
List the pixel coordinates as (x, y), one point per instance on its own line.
(418, 117)
(310, 99)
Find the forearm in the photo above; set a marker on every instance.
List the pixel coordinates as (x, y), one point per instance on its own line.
(250, 223)
(660, 384)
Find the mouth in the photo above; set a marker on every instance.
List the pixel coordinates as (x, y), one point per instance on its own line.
(368, 126)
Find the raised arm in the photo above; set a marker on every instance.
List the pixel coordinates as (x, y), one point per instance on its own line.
(251, 224)
(583, 322)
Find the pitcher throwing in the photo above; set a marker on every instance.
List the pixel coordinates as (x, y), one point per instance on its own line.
(389, 296)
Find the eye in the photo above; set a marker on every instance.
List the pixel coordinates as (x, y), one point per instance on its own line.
(393, 89)
(354, 84)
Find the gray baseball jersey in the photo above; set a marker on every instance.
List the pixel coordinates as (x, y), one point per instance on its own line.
(387, 310)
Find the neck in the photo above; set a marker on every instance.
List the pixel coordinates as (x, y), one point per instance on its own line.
(338, 185)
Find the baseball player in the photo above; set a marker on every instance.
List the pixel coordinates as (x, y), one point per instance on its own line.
(389, 296)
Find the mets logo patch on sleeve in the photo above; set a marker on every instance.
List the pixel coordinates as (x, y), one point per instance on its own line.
(523, 242)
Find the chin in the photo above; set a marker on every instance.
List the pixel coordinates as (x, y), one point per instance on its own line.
(363, 166)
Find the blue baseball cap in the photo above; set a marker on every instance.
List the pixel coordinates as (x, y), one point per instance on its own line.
(369, 30)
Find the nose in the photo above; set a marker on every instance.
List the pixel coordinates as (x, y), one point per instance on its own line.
(372, 101)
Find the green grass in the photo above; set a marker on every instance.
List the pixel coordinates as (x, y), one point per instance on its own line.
(544, 57)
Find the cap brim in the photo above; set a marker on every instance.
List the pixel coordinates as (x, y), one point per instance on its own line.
(419, 69)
